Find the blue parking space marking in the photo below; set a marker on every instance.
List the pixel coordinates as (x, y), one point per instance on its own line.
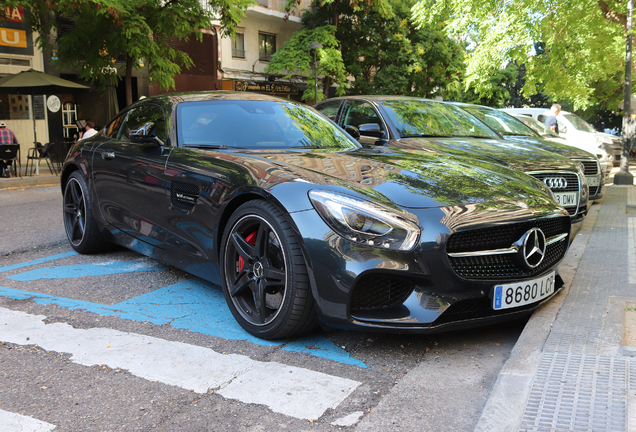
(194, 305)
(83, 270)
(37, 261)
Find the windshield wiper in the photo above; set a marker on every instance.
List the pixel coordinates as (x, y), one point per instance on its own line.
(426, 136)
(208, 146)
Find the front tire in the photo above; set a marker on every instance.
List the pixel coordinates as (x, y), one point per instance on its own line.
(79, 223)
(264, 274)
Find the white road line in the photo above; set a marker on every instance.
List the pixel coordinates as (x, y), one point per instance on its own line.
(288, 390)
(11, 422)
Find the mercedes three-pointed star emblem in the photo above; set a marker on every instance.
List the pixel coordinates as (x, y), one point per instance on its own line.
(533, 247)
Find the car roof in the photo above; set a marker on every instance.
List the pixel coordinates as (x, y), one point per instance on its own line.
(177, 98)
(375, 98)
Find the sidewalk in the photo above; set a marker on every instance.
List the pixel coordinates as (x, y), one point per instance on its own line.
(569, 371)
(46, 177)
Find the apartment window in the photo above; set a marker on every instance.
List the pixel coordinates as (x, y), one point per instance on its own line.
(266, 46)
(14, 61)
(238, 45)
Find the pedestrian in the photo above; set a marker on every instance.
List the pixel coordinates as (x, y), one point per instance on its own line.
(551, 120)
(6, 137)
(89, 130)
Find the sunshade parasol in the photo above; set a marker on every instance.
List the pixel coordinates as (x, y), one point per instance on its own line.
(32, 82)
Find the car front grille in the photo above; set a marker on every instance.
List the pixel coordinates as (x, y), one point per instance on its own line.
(373, 292)
(572, 180)
(591, 167)
(504, 266)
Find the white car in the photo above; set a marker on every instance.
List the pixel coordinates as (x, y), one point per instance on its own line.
(547, 133)
(574, 128)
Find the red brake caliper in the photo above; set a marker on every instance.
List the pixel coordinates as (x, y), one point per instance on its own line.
(251, 239)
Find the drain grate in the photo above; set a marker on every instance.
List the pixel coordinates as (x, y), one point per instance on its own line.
(578, 393)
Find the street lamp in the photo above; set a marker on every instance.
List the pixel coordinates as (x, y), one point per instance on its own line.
(315, 46)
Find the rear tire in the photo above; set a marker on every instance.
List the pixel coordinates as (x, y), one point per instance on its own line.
(265, 279)
(79, 222)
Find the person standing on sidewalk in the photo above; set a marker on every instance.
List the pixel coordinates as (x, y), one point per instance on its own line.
(6, 137)
(551, 120)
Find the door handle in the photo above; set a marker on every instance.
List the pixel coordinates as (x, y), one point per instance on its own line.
(108, 154)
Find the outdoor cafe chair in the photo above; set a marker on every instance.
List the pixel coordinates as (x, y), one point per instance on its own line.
(36, 154)
(11, 153)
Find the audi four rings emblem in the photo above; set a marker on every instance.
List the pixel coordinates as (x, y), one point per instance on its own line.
(533, 247)
(555, 182)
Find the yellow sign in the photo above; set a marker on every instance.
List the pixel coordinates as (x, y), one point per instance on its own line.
(13, 38)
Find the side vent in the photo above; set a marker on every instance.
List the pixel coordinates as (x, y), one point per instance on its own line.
(183, 196)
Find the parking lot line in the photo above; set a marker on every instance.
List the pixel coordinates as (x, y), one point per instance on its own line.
(92, 269)
(11, 422)
(37, 261)
(289, 390)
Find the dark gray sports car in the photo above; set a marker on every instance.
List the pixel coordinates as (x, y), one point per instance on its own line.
(300, 226)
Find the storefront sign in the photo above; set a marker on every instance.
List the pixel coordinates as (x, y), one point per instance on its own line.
(264, 87)
(15, 35)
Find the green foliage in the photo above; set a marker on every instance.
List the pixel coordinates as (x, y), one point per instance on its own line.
(390, 56)
(104, 31)
(498, 94)
(582, 53)
(295, 57)
(375, 46)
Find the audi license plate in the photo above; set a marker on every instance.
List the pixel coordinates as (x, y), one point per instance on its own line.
(566, 199)
(592, 181)
(523, 293)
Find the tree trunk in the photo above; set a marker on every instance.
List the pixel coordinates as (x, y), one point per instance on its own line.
(128, 80)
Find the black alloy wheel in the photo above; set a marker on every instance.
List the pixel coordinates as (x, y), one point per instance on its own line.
(81, 228)
(264, 273)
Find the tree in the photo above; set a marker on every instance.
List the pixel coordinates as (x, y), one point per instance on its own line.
(91, 35)
(371, 47)
(582, 44)
(390, 56)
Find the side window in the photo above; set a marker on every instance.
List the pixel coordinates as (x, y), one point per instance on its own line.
(112, 130)
(329, 109)
(357, 113)
(542, 118)
(141, 116)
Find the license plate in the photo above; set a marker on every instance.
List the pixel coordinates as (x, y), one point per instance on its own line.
(566, 199)
(522, 293)
(592, 181)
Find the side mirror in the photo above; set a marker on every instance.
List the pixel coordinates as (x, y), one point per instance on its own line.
(353, 131)
(371, 130)
(145, 134)
(563, 129)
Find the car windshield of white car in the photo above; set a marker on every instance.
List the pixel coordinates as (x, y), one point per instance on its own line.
(500, 121)
(256, 125)
(423, 118)
(579, 123)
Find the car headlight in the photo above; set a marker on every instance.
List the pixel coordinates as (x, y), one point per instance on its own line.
(608, 140)
(366, 222)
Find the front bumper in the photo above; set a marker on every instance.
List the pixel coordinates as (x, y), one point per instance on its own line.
(357, 286)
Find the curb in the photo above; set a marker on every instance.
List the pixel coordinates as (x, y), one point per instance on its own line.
(18, 182)
(505, 406)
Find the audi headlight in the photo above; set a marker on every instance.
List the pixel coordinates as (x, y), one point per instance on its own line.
(366, 222)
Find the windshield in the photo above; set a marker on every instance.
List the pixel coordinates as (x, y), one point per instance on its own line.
(262, 125)
(500, 121)
(536, 125)
(579, 123)
(416, 118)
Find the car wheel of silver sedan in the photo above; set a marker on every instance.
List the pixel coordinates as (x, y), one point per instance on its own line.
(264, 273)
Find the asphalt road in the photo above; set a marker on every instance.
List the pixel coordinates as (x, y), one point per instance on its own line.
(117, 342)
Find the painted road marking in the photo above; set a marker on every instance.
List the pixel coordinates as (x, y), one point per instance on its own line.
(93, 269)
(37, 261)
(194, 305)
(289, 390)
(12, 422)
